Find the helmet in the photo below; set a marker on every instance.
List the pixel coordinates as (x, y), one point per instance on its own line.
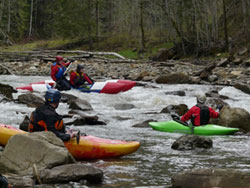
(59, 58)
(201, 99)
(52, 96)
(79, 67)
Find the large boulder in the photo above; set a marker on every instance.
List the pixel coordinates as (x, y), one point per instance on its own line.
(30, 100)
(243, 87)
(71, 172)
(235, 117)
(80, 104)
(189, 142)
(42, 149)
(175, 78)
(208, 178)
(7, 90)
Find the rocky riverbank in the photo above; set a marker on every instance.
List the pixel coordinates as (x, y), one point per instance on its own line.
(220, 71)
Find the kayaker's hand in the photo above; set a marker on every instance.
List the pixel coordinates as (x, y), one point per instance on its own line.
(72, 134)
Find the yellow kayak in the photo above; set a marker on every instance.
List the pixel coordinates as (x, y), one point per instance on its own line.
(90, 147)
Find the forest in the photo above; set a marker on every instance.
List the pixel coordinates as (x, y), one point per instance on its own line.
(191, 27)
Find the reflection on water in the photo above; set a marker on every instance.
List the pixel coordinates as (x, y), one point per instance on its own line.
(155, 162)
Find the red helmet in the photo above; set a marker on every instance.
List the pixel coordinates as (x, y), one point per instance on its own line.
(59, 58)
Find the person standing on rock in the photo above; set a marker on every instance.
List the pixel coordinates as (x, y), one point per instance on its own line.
(78, 78)
(200, 114)
(58, 69)
(45, 118)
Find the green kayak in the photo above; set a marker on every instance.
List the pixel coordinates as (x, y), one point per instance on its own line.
(176, 127)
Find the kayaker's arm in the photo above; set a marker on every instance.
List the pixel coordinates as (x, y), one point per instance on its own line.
(187, 116)
(213, 113)
(88, 79)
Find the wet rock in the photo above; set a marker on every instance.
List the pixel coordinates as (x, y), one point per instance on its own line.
(80, 104)
(67, 98)
(179, 93)
(30, 100)
(124, 106)
(180, 109)
(237, 61)
(25, 124)
(243, 87)
(141, 76)
(71, 172)
(4, 70)
(120, 118)
(7, 90)
(176, 78)
(190, 142)
(43, 149)
(210, 67)
(235, 117)
(212, 78)
(20, 181)
(144, 124)
(1, 148)
(223, 63)
(205, 74)
(78, 120)
(211, 178)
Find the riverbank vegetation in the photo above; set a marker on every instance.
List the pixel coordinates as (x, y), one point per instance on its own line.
(136, 29)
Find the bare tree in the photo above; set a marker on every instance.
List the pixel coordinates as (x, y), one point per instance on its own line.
(31, 17)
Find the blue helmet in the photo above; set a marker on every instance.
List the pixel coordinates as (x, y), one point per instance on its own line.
(52, 96)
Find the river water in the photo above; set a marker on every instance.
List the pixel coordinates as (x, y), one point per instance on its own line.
(155, 162)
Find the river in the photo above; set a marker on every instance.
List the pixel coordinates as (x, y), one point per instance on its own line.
(155, 162)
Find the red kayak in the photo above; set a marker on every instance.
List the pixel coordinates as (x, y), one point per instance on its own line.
(108, 87)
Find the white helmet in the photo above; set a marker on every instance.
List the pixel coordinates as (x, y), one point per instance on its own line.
(201, 99)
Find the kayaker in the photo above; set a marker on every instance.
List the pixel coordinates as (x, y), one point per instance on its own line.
(58, 69)
(78, 78)
(200, 113)
(45, 118)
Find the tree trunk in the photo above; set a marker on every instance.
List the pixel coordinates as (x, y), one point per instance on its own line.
(9, 18)
(89, 26)
(225, 26)
(142, 26)
(1, 10)
(31, 17)
(97, 21)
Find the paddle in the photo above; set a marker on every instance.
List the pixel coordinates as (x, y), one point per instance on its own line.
(177, 119)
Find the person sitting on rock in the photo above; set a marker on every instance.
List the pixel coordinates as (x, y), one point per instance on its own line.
(58, 69)
(200, 113)
(45, 118)
(78, 78)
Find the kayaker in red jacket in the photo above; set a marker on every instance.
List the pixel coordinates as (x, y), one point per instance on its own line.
(58, 69)
(78, 77)
(200, 113)
(45, 118)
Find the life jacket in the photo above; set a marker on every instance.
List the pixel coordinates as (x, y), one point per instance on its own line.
(61, 70)
(79, 79)
(37, 124)
(204, 115)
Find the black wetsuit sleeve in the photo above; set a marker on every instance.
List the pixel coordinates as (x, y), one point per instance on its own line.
(50, 121)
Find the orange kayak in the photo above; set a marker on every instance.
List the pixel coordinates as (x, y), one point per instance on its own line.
(90, 147)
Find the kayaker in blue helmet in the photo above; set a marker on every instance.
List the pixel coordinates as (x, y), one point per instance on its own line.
(200, 114)
(45, 118)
